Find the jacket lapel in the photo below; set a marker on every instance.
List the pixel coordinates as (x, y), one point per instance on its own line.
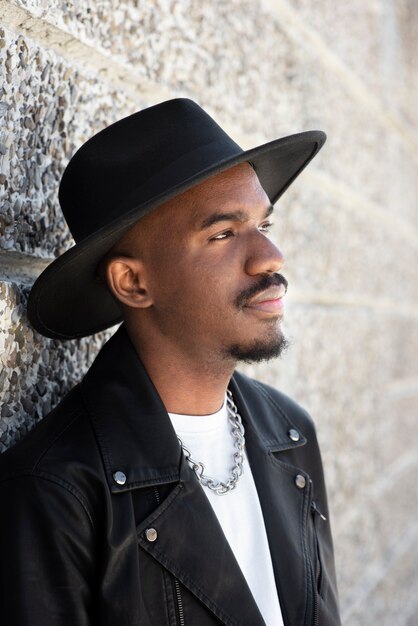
(192, 546)
(132, 427)
(284, 505)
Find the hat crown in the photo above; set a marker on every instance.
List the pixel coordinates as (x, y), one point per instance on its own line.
(131, 161)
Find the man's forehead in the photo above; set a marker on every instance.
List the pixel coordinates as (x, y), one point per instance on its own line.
(237, 189)
(231, 179)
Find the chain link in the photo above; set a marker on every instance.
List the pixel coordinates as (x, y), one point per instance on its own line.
(237, 429)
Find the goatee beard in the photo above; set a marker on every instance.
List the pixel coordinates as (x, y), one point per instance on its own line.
(259, 351)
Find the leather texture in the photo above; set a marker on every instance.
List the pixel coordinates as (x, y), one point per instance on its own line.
(73, 542)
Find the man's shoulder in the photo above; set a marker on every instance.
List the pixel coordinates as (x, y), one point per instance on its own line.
(62, 439)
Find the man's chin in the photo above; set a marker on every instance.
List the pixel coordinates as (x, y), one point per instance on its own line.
(259, 350)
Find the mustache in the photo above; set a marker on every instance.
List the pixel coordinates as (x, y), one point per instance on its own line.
(275, 280)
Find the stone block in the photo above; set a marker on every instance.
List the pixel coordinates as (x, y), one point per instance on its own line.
(48, 109)
(221, 54)
(377, 43)
(35, 372)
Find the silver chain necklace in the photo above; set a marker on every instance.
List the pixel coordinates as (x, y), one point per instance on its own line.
(237, 429)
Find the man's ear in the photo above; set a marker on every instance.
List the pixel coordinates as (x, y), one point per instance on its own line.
(126, 279)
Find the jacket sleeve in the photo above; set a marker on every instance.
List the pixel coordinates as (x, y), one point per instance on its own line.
(46, 548)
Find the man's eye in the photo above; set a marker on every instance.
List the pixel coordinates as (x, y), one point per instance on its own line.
(224, 235)
(265, 228)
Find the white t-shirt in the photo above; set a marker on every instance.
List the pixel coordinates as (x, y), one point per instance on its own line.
(209, 439)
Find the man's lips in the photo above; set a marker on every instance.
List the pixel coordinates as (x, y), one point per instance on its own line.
(269, 300)
(269, 291)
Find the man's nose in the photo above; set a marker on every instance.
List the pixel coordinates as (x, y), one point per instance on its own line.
(264, 257)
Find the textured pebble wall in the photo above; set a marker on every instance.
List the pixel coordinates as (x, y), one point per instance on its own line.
(349, 226)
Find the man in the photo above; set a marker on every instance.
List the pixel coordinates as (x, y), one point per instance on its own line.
(167, 488)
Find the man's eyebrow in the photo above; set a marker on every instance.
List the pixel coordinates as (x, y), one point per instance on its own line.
(230, 216)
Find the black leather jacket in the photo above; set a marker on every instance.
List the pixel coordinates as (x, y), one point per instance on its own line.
(72, 540)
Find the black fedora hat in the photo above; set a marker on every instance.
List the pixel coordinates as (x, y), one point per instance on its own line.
(123, 173)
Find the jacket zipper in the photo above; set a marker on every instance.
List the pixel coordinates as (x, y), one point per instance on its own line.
(157, 496)
(313, 507)
(179, 602)
(176, 582)
(318, 573)
(316, 612)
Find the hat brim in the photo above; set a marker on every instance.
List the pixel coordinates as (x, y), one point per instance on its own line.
(68, 300)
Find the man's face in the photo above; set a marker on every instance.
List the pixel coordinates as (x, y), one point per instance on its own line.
(211, 269)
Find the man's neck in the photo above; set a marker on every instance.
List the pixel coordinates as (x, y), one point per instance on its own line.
(189, 386)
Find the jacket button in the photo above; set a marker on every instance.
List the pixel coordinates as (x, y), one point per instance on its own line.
(300, 481)
(119, 478)
(151, 534)
(293, 435)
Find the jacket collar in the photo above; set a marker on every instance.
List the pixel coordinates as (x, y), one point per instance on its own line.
(132, 427)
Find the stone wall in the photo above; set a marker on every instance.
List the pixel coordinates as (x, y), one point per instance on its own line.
(348, 227)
